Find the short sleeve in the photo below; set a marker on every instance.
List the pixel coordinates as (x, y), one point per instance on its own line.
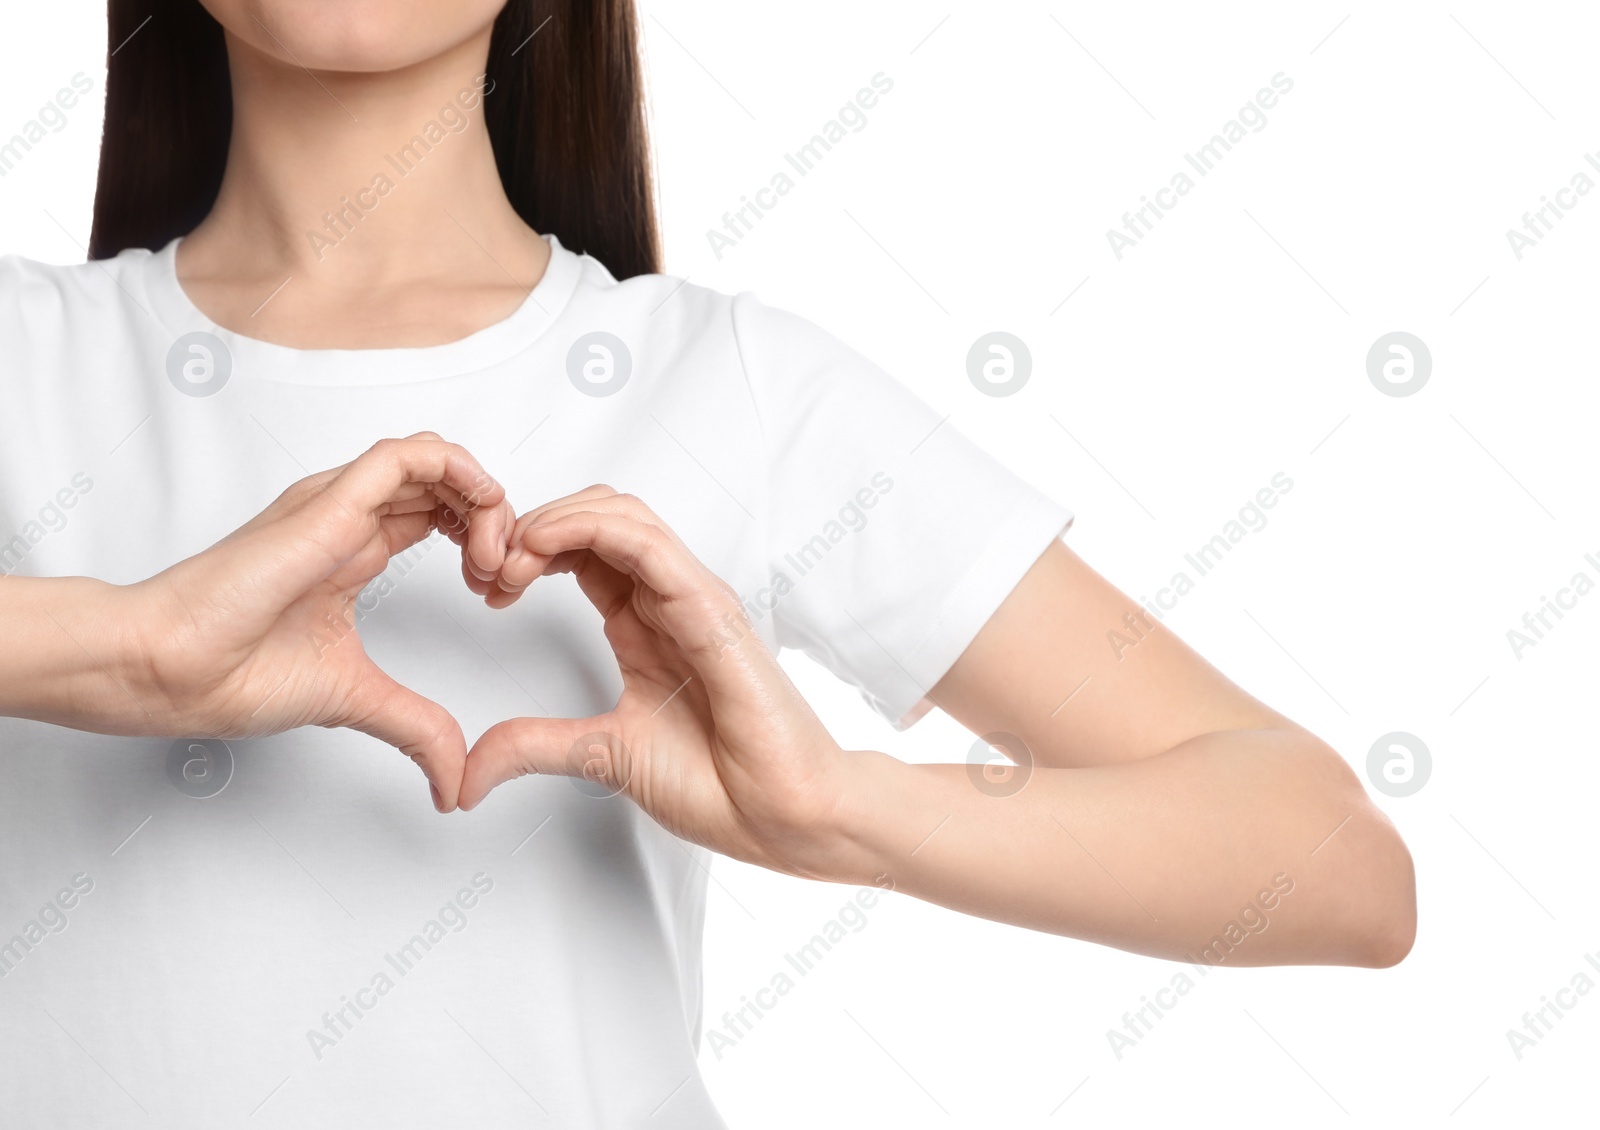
(891, 538)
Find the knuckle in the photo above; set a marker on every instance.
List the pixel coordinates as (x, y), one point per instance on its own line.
(477, 488)
(386, 448)
(656, 539)
(636, 508)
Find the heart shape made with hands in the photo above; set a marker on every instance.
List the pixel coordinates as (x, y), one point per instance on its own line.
(708, 734)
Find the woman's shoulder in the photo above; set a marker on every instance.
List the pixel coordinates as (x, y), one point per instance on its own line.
(645, 294)
(31, 290)
(672, 304)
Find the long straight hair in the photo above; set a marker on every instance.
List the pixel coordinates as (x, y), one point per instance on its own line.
(566, 118)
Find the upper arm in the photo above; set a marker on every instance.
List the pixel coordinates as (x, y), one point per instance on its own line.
(1050, 668)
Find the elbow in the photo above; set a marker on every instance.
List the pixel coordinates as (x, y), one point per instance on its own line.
(1364, 874)
(1392, 937)
(1388, 920)
(1363, 913)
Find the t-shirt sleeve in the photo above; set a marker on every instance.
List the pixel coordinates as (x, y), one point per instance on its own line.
(891, 538)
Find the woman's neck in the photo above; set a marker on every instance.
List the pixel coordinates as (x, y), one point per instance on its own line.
(377, 198)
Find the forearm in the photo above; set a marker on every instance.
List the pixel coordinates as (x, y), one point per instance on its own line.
(1159, 856)
(72, 656)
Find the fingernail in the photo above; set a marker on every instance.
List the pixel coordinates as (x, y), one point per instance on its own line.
(438, 801)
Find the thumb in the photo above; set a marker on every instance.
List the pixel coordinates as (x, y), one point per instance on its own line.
(418, 727)
(563, 747)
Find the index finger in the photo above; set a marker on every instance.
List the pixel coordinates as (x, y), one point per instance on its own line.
(378, 475)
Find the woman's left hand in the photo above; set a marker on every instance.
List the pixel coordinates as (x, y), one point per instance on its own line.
(709, 736)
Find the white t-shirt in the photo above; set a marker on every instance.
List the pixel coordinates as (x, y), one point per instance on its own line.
(282, 931)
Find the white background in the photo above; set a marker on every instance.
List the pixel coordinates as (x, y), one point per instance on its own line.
(1171, 385)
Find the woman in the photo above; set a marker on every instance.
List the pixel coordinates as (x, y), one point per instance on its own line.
(320, 228)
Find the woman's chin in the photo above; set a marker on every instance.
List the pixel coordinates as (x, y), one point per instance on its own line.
(353, 36)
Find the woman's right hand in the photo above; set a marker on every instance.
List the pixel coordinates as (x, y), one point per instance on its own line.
(256, 635)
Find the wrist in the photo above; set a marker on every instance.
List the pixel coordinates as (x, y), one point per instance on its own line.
(77, 658)
(121, 626)
(846, 841)
(147, 644)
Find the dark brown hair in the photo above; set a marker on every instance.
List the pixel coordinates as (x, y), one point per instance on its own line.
(565, 115)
